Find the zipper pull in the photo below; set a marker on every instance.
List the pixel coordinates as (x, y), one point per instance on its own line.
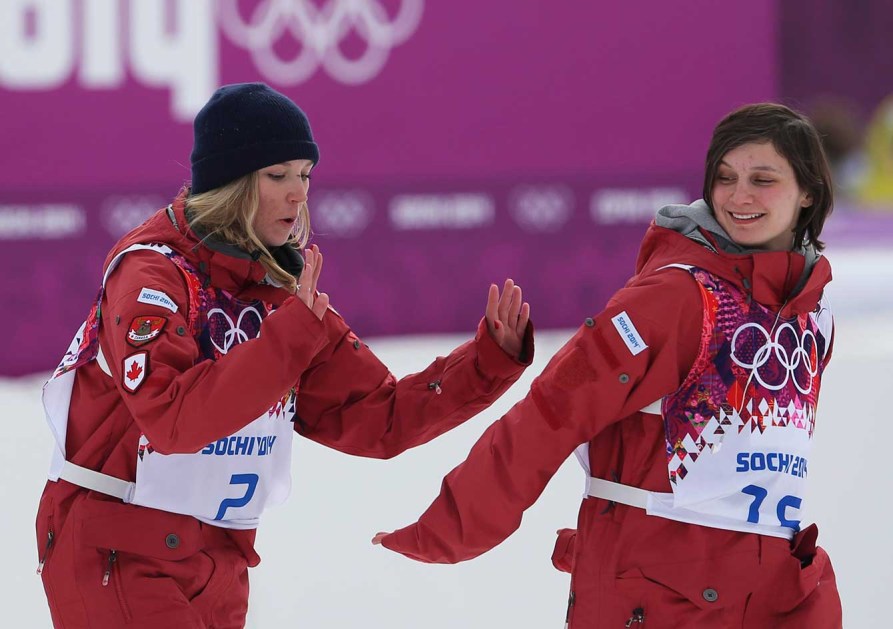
(46, 551)
(435, 386)
(570, 604)
(637, 617)
(113, 557)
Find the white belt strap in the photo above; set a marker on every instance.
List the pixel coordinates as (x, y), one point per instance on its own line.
(660, 504)
(615, 492)
(97, 481)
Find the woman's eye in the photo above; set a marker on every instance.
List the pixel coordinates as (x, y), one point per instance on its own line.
(724, 178)
(276, 176)
(305, 177)
(763, 182)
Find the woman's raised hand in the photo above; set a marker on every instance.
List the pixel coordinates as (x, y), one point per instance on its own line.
(507, 316)
(306, 290)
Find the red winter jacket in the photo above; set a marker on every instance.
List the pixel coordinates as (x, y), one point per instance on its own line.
(347, 399)
(630, 569)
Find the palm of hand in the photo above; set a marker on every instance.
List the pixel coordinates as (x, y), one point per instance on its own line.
(507, 317)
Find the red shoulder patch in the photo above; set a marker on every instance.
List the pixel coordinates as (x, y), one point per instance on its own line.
(145, 329)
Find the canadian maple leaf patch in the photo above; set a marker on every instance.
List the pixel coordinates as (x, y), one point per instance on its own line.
(135, 369)
(135, 372)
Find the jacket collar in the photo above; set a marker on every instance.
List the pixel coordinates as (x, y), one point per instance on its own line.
(780, 280)
(228, 267)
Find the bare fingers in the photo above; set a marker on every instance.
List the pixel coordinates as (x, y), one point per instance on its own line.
(303, 290)
(492, 310)
(523, 319)
(505, 299)
(317, 268)
(307, 282)
(320, 305)
(514, 305)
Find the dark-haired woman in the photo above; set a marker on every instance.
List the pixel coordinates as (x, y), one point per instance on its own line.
(690, 402)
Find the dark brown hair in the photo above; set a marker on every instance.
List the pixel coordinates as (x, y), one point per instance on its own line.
(796, 139)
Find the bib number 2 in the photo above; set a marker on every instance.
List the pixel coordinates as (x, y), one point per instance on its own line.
(759, 495)
(250, 480)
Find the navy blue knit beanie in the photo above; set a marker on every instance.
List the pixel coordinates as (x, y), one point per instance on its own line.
(245, 127)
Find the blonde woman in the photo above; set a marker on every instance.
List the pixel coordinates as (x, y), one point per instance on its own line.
(207, 347)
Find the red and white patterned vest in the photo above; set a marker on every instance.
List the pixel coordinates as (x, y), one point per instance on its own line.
(739, 429)
(227, 483)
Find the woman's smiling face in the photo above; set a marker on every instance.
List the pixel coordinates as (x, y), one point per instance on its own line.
(756, 198)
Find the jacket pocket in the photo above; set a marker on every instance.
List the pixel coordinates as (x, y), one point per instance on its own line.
(138, 530)
(692, 594)
(132, 546)
(801, 581)
(801, 571)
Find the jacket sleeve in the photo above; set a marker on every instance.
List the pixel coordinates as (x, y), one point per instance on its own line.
(592, 382)
(350, 401)
(182, 406)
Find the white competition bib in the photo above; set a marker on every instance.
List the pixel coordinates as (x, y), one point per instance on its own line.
(229, 482)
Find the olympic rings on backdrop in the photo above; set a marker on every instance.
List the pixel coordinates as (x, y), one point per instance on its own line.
(320, 31)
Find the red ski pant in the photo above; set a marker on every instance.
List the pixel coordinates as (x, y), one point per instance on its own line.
(116, 565)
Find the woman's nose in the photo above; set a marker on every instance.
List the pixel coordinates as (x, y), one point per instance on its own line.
(298, 192)
(742, 192)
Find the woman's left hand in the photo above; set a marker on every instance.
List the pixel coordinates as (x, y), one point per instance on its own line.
(507, 316)
(306, 289)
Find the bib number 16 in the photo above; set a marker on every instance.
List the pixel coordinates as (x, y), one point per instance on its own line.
(759, 495)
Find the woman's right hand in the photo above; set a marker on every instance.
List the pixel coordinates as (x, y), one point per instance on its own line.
(306, 290)
(507, 317)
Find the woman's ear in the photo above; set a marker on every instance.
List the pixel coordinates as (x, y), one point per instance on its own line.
(806, 200)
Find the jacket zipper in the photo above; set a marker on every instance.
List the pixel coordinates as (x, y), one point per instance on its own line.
(46, 552)
(570, 605)
(435, 386)
(113, 557)
(119, 590)
(637, 617)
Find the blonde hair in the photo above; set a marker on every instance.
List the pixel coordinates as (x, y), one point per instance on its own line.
(228, 213)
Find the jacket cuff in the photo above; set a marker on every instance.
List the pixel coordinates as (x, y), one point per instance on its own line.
(306, 332)
(563, 553)
(493, 361)
(401, 540)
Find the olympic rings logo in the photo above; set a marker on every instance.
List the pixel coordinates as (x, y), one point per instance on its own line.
(235, 334)
(319, 29)
(804, 352)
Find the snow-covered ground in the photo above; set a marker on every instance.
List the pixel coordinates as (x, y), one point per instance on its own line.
(319, 569)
